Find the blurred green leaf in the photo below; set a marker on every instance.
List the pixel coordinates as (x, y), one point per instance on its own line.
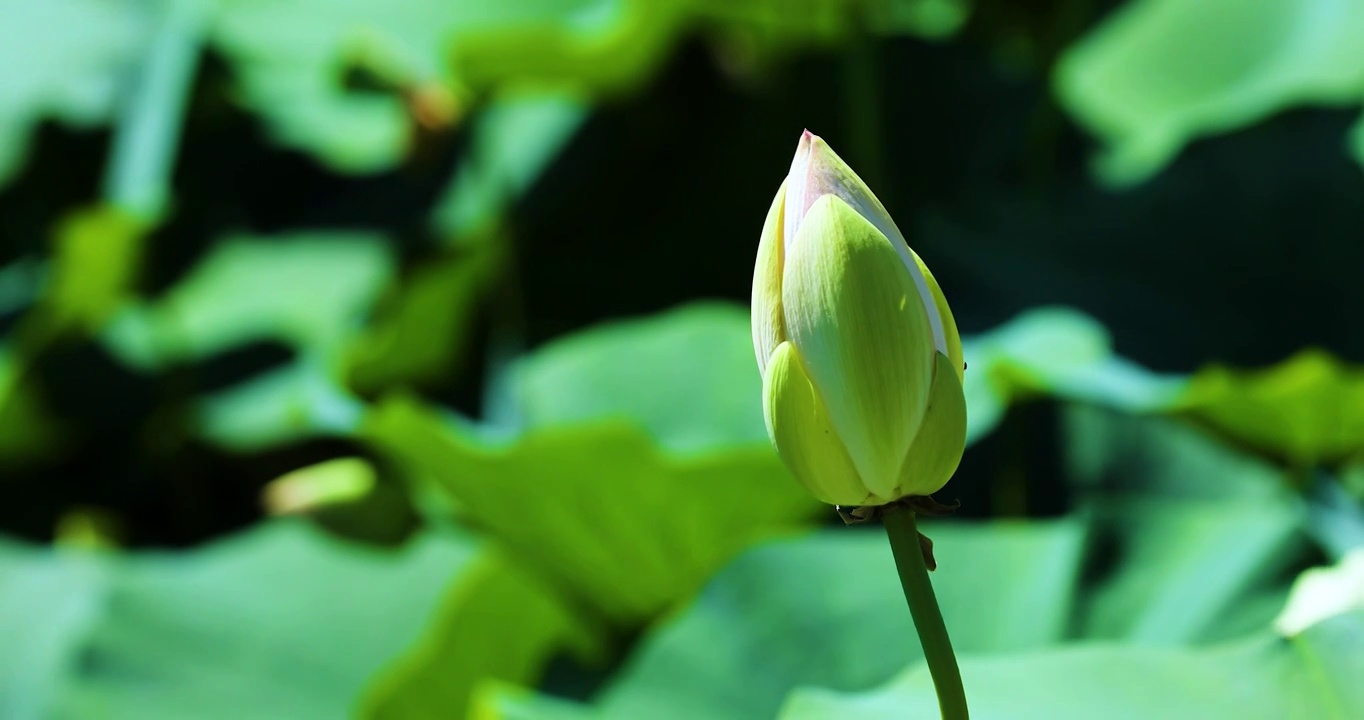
(427, 59)
(1352, 477)
(509, 702)
(1314, 675)
(1195, 535)
(639, 466)
(688, 376)
(73, 54)
(1335, 515)
(1160, 73)
(423, 323)
(98, 253)
(421, 326)
(612, 46)
(299, 400)
(1309, 409)
(308, 291)
(283, 622)
(1178, 541)
(656, 446)
(599, 511)
(48, 604)
(513, 140)
(1058, 352)
(1114, 454)
(602, 47)
(828, 609)
(1187, 568)
(140, 172)
(292, 59)
(498, 624)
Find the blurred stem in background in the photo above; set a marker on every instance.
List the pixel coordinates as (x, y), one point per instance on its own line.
(923, 606)
(862, 84)
(105, 242)
(138, 180)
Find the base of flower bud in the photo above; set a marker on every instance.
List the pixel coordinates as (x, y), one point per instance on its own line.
(923, 505)
(915, 504)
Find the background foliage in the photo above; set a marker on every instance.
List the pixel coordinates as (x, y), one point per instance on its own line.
(391, 360)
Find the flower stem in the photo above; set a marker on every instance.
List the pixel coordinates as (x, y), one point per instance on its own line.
(923, 606)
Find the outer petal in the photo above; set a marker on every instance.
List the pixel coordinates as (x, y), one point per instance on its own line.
(768, 328)
(949, 323)
(853, 312)
(937, 449)
(798, 424)
(797, 185)
(818, 171)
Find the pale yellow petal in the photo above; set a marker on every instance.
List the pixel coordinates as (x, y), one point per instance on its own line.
(854, 314)
(937, 449)
(799, 426)
(949, 323)
(768, 329)
(797, 202)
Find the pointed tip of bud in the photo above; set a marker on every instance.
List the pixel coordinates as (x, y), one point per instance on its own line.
(815, 171)
(803, 148)
(812, 147)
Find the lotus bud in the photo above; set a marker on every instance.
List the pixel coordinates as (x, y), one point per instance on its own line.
(860, 357)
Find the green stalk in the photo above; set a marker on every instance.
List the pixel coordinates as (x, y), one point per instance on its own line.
(923, 606)
(138, 179)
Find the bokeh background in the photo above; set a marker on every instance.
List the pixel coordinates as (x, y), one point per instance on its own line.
(391, 359)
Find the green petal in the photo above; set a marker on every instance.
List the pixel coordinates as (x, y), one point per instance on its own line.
(768, 329)
(937, 449)
(854, 313)
(949, 323)
(819, 171)
(799, 426)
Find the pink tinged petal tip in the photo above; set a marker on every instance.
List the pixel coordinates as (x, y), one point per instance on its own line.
(797, 189)
(817, 171)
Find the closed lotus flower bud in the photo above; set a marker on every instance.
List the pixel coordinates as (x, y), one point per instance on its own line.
(861, 360)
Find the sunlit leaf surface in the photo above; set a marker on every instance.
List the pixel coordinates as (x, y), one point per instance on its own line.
(72, 52)
(1308, 409)
(827, 609)
(499, 624)
(1314, 675)
(1058, 352)
(1161, 73)
(599, 510)
(283, 619)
